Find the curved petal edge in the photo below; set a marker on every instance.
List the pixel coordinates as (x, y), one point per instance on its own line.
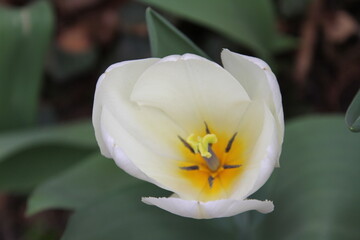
(211, 209)
(262, 85)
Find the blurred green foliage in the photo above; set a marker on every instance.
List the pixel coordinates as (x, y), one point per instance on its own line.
(315, 192)
(79, 134)
(81, 185)
(29, 157)
(123, 216)
(247, 22)
(30, 154)
(25, 35)
(292, 8)
(63, 65)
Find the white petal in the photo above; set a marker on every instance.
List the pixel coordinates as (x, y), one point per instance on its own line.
(134, 157)
(264, 156)
(121, 159)
(207, 210)
(150, 126)
(258, 131)
(191, 90)
(143, 141)
(100, 94)
(259, 81)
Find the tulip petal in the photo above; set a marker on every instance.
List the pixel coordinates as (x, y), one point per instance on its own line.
(150, 126)
(191, 90)
(263, 153)
(259, 82)
(212, 209)
(101, 92)
(258, 136)
(134, 157)
(142, 141)
(121, 159)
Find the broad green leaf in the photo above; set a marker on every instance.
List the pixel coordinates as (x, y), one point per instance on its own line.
(248, 22)
(166, 40)
(316, 189)
(29, 157)
(352, 116)
(124, 216)
(84, 183)
(24, 170)
(25, 35)
(79, 134)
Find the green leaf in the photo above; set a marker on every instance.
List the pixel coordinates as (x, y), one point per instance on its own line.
(24, 170)
(166, 40)
(25, 35)
(248, 22)
(29, 157)
(80, 134)
(352, 116)
(124, 216)
(316, 189)
(94, 178)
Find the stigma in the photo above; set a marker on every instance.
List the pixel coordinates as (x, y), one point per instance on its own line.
(202, 146)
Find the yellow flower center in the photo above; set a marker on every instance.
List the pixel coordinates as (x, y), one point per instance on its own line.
(213, 162)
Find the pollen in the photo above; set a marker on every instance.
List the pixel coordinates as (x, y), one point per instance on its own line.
(201, 144)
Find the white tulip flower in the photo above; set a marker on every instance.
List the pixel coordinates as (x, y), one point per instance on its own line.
(211, 135)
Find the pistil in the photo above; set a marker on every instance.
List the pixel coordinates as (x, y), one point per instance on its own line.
(202, 146)
(213, 161)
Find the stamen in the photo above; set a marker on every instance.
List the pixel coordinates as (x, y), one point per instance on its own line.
(231, 166)
(211, 181)
(187, 145)
(228, 147)
(201, 144)
(193, 142)
(204, 145)
(189, 168)
(207, 128)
